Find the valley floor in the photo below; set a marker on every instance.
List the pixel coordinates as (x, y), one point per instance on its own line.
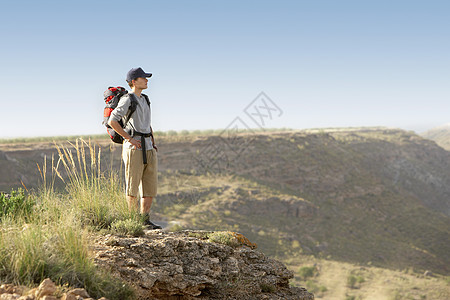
(332, 280)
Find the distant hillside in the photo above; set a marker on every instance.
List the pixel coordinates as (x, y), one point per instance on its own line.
(441, 135)
(369, 196)
(375, 196)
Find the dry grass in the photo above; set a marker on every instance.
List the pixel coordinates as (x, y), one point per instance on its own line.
(51, 241)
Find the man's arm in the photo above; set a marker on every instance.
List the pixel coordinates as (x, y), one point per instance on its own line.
(116, 126)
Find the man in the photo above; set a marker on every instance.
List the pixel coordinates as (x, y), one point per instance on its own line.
(139, 149)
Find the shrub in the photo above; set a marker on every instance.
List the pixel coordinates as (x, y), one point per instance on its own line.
(127, 227)
(15, 204)
(351, 281)
(223, 237)
(313, 287)
(199, 235)
(354, 280)
(360, 279)
(307, 272)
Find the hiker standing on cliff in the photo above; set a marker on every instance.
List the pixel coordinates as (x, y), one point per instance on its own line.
(139, 149)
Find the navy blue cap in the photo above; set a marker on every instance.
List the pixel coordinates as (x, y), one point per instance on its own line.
(135, 73)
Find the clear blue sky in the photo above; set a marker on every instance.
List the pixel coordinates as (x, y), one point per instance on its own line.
(325, 63)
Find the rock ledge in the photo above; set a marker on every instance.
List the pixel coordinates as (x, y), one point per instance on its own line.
(187, 265)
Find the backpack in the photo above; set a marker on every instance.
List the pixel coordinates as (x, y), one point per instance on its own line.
(112, 97)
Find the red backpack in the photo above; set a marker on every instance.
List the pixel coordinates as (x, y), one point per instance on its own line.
(112, 97)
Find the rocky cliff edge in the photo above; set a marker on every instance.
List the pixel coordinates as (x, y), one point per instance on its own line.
(195, 265)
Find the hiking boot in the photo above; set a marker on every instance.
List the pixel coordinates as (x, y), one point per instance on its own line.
(151, 225)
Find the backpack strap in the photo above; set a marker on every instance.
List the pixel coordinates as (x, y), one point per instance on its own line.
(146, 99)
(132, 109)
(151, 129)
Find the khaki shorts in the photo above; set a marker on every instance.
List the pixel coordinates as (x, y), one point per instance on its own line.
(140, 179)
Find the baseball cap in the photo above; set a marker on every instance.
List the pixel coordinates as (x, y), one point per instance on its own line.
(136, 73)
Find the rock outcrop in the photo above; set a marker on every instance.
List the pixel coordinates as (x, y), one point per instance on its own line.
(189, 265)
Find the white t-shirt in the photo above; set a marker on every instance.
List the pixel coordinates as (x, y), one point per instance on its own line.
(140, 120)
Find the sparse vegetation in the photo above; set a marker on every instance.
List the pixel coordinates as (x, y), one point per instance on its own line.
(226, 238)
(441, 135)
(130, 226)
(307, 272)
(44, 233)
(158, 134)
(199, 235)
(51, 139)
(315, 288)
(370, 282)
(15, 204)
(351, 281)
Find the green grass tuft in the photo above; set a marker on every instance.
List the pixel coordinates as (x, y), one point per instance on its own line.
(127, 227)
(224, 237)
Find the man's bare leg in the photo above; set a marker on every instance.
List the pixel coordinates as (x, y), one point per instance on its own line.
(133, 204)
(146, 204)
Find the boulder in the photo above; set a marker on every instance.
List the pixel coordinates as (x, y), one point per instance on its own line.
(46, 288)
(66, 296)
(79, 292)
